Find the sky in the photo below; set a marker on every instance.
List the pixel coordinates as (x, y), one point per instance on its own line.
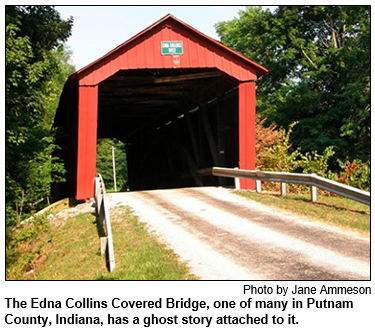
(99, 29)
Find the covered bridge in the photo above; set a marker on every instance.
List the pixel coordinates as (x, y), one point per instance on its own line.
(179, 100)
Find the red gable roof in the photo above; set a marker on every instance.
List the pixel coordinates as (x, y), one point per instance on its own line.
(143, 51)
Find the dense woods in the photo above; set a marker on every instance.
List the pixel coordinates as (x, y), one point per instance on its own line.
(36, 69)
(314, 106)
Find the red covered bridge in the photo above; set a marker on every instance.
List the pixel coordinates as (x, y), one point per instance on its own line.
(178, 99)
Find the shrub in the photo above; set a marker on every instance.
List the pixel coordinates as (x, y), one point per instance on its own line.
(274, 153)
(314, 163)
(273, 149)
(356, 174)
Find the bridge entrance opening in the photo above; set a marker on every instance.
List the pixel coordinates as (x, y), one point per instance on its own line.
(173, 122)
(179, 101)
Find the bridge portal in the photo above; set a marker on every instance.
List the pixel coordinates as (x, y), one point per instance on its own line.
(178, 99)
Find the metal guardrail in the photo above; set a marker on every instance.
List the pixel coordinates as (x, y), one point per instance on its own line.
(103, 217)
(293, 178)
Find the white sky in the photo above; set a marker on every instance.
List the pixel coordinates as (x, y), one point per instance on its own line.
(99, 29)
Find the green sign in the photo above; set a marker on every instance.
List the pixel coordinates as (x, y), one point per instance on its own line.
(171, 48)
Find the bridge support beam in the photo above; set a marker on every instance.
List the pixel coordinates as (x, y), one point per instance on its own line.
(246, 111)
(87, 137)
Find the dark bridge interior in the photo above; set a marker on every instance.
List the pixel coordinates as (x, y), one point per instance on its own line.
(173, 122)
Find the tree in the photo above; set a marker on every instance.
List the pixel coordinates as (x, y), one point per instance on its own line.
(34, 39)
(319, 58)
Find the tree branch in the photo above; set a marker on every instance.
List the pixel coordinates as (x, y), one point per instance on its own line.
(308, 58)
(334, 32)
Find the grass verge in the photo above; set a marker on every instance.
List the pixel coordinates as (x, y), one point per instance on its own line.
(344, 213)
(71, 251)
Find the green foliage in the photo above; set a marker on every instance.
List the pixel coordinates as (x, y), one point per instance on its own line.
(104, 163)
(30, 230)
(319, 58)
(279, 156)
(313, 163)
(356, 173)
(34, 70)
(24, 236)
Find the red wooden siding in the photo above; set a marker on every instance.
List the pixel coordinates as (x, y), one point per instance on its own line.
(144, 52)
(246, 111)
(87, 125)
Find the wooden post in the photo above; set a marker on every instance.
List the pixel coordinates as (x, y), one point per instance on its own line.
(246, 113)
(87, 136)
(211, 139)
(237, 182)
(209, 135)
(314, 193)
(258, 186)
(284, 189)
(103, 245)
(193, 138)
(220, 132)
(221, 136)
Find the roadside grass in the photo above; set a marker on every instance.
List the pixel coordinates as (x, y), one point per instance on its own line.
(344, 213)
(71, 251)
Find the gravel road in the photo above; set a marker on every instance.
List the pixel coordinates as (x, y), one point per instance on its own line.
(223, 236)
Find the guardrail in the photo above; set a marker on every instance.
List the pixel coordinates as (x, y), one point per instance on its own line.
(312, 180)
(103, 217)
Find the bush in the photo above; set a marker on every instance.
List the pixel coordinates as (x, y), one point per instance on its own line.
(274, 153)
(273, 149)
(314, 163)
(356, 174)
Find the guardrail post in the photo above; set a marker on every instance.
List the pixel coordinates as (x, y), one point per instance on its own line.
(284, 189)
(237, 182)
(106, 243)
(258, 184)
(103, 245)
(314, 193)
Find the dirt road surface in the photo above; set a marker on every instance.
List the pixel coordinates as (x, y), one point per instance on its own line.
(223, 236)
